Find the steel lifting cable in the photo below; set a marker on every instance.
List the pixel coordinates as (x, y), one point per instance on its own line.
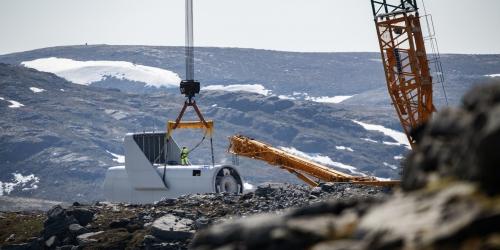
(199, 143)
(195, 147)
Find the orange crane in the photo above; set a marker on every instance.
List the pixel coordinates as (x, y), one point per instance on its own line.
(304, 169)
(406, 66)
(409, 82)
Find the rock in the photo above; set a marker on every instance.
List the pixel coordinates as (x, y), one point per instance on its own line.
(119, 223)
(460, 142)
(57, 223)
(433, 216)
(11, 237)
(87, 237)
(270, 232)
(201, 223)
(313, 197)
(179, 212)
(22, 246)
(82, 215)
(327, 187)
(51, 242)
(171, 227)
(316, 191)
(166, 202)
(77, 229)
(67, 247)
(109, 239)
(149, 239)
(268, 189)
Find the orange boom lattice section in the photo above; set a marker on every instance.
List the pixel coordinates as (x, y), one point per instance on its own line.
(306, 170)
(405, 61)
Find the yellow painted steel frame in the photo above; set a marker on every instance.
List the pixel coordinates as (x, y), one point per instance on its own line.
(208, 126)
(406, 68)
(301, 167)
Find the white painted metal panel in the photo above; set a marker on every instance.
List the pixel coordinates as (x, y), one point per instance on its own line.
(141, 174)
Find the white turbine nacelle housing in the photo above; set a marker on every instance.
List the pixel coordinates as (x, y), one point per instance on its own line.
(152, 172)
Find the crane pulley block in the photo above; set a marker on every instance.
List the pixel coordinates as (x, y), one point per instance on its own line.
(190, 88)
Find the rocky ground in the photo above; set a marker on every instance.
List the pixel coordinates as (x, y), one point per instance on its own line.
(168, 224)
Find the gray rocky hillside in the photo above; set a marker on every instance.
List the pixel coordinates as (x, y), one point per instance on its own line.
(64, 135)
(64, 138)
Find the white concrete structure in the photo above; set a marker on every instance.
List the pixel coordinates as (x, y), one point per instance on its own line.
(150, 174)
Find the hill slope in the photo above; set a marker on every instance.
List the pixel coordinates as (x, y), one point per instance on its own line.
(57, 135)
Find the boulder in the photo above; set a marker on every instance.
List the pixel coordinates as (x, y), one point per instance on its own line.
(316, 191)
(83, 215)
(268, 189)
(86, 238)
(51, 242)
(77, 229)
(57, 223)
(460, 142)
(201, 223)
(171, 227)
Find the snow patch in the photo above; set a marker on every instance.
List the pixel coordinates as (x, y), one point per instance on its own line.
(321, 159)
(87, 72)
(322, 99)
(369, 140)
(25, 182)
(13, 104)
(391, 143)
(62, 90)
(344, 148)
(117, 158)
(327, 99)
(399, 137)
(493, 75)
(252, 88)
(36, 90)
(398, 157)
(286, 97)
(248, 186)
(390, 166)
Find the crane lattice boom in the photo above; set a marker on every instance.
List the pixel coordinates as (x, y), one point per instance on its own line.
(306, 170)
(405, 61)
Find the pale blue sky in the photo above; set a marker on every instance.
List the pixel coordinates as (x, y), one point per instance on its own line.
(463, 26)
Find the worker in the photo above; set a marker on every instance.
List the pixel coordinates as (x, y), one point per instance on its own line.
(184, 156)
